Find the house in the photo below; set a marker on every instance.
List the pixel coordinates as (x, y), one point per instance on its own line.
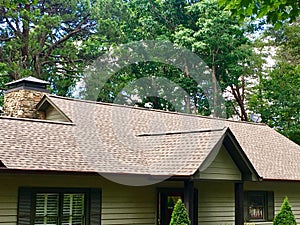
(67, 161)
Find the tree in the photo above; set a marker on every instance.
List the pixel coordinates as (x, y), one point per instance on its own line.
(179, 214)
(277, 96)
(155, 20)
(221, 42)
(276, 11)
(196, 26)
(41, 37)
(285, 216)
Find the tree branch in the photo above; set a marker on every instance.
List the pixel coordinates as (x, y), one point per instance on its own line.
(6, 39)
(78, 28)
(12, 27)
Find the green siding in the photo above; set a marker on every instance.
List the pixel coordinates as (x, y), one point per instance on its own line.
(53, 114)
(8, 203)
(221, 168)
(215, 203)
(120, 204)
(137, 205)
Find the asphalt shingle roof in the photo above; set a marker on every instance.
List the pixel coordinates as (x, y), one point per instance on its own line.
(139, 141)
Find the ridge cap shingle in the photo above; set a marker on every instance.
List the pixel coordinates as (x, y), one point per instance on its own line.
(155, 110)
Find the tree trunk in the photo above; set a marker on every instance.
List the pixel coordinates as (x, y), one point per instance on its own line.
(215, 87)
(25, 37)
(187, 98)
(240, 101)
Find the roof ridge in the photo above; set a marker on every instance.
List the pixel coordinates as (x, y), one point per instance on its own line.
(181, 132)
(157, 110)
(35, 120)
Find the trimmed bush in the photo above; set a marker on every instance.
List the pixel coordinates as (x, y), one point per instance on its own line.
(179, 214)
(286, 215)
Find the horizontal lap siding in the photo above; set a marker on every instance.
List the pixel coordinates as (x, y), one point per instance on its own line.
(8, 204)
(215, 203)
(222, 168)
(53, 114)
(128, 205)
(120, 204)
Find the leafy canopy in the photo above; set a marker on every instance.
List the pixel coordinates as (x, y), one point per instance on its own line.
(276, 97)
(41, 38)
(276, 11)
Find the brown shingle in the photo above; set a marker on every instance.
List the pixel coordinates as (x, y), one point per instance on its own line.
(107, 138)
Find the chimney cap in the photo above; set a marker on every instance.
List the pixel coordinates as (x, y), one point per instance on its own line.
(28, 79)
(29, 83)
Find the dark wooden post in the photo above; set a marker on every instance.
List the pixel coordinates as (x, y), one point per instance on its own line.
(189, 199)
(239, 203)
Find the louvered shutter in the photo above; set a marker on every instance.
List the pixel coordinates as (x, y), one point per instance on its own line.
(95, 206)
(270, 197)
(46, 208)
(24, 206)
(73, 209)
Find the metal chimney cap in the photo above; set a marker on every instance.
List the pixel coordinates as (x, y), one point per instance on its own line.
(28, 83)
(28, 79)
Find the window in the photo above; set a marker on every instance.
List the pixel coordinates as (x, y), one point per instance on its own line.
(259, 205)
(48, 206)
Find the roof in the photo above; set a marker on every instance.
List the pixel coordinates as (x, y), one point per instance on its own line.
(111, 138)
(40, 145)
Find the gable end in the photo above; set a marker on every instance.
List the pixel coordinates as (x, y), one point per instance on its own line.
(52, 112)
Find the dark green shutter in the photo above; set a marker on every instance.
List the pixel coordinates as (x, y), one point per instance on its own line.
(270, 197)
(24, 206)
(163, 207)
(95, 206)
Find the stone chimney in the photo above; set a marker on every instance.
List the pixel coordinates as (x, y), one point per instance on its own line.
(22, 96)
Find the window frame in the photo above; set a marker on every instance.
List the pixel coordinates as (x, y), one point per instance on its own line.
(27, 203)
(268, 207)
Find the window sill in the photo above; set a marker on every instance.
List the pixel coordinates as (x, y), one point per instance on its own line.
(259, 223)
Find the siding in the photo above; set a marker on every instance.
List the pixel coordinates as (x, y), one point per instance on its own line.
(137, 205)
(222, 168)
(53, 114)
(8, 204)
(215, 203)
(123, 206)
(120, 204)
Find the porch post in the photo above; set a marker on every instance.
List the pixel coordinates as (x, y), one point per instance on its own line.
(239, 210)
(189, 199)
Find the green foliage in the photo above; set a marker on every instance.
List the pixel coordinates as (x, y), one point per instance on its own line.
(179, 214)
(42, 38)
(276, 11)
(285, 216)
(276, 96)
(221, 42)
